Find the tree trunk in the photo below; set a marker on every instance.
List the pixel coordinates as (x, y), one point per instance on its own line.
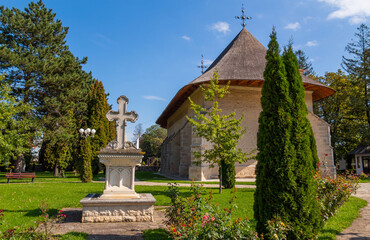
(18, 166)
(56, 170)
(220, 174)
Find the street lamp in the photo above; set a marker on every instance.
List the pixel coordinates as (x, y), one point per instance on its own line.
(86, 132)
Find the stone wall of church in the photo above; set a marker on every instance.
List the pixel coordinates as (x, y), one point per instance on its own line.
(181, 141)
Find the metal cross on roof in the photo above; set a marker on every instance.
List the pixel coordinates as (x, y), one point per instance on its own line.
(202, 66)
(122, 116)
(243, 17)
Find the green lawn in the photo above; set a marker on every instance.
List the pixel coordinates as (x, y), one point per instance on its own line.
(154, 177)
(366, 180)
(21, 202)
(43, 177)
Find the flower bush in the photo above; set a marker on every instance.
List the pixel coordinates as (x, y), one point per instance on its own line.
(277, 229)
(334, 192)
(195, 217)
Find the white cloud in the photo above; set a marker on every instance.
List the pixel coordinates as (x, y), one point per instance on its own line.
(154, 98)
(186, 38)
(356, 10)
(312, 43)
(293, 26)
(221, 27)
(207, 62)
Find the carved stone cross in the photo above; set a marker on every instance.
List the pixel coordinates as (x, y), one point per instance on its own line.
(122, 116)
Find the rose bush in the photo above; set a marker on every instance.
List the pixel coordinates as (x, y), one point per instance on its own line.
(195, 217)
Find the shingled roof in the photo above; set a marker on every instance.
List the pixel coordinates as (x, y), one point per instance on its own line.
(242, 63)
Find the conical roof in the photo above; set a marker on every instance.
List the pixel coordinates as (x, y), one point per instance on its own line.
(242, 63)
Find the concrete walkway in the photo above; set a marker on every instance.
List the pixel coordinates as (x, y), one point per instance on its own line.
(360, 228)
(142, 183)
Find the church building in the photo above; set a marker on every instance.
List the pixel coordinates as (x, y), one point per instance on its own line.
(242, 63)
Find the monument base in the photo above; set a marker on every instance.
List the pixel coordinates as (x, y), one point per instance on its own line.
(95, 209)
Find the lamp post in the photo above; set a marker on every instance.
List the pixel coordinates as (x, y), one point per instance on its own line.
(85, 154)
(86, 132)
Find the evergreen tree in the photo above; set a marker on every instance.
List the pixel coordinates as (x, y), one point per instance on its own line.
(275, 181)
(97, 109)
(44, 73)
(359, 66)
(222, 131)
(85, 159)
(304, 63)
(305, 221)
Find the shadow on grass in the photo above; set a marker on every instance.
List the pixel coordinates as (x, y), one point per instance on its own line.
(156, 234)
(73, 236)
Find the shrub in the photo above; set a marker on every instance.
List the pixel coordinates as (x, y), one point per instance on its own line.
(195, 217)
(334, 192)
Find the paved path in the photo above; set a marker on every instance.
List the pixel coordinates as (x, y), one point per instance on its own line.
(142, 183)
(360, 229)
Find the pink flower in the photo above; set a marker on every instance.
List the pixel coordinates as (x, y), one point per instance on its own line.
(212, 219)
(326, 154)
(46, 216)
(60, 226)
(61, 211)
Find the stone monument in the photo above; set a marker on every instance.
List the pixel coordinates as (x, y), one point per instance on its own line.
(119, 201)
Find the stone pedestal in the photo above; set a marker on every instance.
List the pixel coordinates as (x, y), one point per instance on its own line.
(119, 201)
(97, 209)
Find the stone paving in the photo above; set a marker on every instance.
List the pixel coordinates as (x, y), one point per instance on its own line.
(360, 229)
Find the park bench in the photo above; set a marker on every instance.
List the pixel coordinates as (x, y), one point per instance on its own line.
(20, 175)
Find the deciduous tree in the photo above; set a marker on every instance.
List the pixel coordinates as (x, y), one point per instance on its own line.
(223, 131)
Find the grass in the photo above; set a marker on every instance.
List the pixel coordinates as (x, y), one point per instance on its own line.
(343, 219)
(366, 180)
(155, 177)
(21, 202)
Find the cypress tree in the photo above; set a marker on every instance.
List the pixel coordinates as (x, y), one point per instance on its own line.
(275, 181)
(85, 158)
(97, 109)
(305, 220)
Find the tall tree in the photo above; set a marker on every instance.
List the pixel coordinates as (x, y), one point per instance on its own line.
(44, 73)
(138, 132)
(275, 179)
(223, 131)
(359, 65)
(305, 219)
(304, 63)
(97, 109)
(344, 112)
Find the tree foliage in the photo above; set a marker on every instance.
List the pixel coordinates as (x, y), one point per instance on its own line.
(304, 63)
(14, 134)
(221, 130)
(151, 141)
(344, 112)
(305, 219)
(285, 162)
(359, 67)
(97, 109)
(44, 74)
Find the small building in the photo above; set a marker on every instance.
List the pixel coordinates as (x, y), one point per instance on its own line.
(242, 63)
(362, 159)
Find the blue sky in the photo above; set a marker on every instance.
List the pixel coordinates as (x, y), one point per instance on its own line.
(148, 50)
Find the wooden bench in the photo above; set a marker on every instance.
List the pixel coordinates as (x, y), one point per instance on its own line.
(20, 175)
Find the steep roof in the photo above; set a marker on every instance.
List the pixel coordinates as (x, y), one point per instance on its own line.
(242, 63)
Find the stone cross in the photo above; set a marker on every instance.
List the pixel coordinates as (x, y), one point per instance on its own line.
(122, 116)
